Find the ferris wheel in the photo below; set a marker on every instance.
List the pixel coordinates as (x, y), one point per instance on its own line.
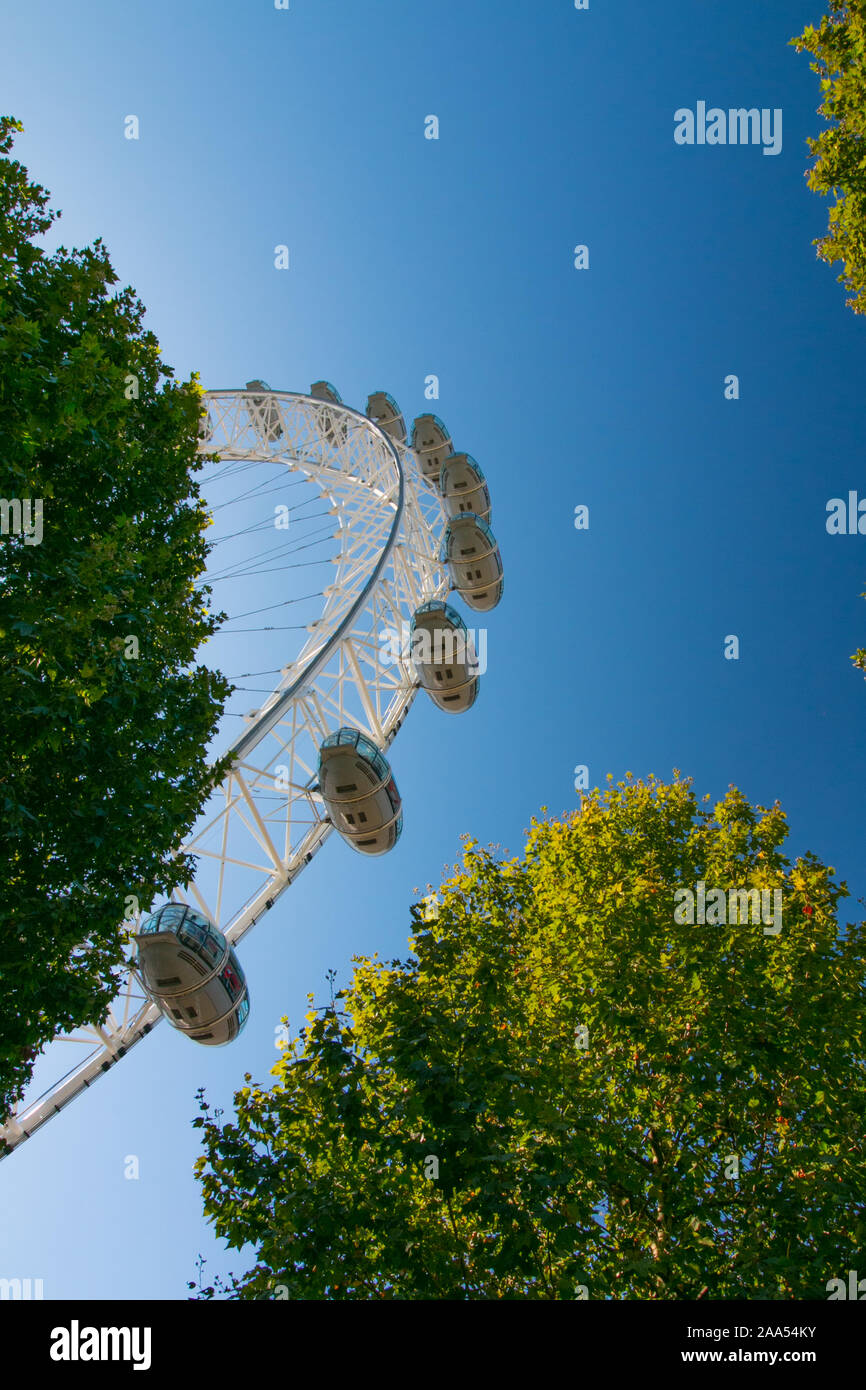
(411, 524)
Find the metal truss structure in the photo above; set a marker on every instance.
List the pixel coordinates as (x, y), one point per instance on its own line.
(265, 822)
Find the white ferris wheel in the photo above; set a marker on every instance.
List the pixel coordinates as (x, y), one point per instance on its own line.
(411, 523)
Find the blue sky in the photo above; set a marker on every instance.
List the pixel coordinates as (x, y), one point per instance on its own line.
(604, 387)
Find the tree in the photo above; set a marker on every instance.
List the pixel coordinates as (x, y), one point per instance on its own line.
(104, 722)
(838, 47)
(567, 1092)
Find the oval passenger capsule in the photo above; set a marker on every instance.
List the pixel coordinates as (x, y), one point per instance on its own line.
(463, 487)
(358, 789)
(386, 413)
(333, 424)
(470, 551)
(431, 443)
(188, 968)
(264, 413)
(444, 656)
(205, 428)
(324, 391)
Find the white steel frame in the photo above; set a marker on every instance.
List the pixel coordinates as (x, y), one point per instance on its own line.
(266, 820)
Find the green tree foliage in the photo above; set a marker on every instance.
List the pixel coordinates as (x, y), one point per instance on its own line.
(449, 1131)
(103, 755)
(838, 47)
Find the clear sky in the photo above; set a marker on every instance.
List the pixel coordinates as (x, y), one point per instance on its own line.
(602, 387)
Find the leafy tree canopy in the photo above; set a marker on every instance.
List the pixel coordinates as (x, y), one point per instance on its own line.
(838, 47)
(565, 1092)
(103, 767)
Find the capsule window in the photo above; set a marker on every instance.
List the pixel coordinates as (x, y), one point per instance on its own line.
(174, 980)
(350, 787)
(191, 934)
(350, 819)
(231, 982)
(192, 1013)
(362, 816)
(176, 1013)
